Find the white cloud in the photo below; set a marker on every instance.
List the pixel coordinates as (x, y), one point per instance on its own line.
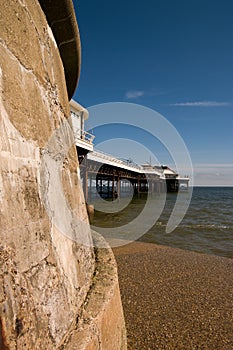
(213, 165)
(213, 174)
(202, 104)
(209, 174)
(134, 94)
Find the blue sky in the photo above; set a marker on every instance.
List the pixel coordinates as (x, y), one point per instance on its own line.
(174, 56)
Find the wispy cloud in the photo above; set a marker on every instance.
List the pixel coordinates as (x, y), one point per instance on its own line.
(134, 94)
(214, 165)
(202, 104)
(213, 174)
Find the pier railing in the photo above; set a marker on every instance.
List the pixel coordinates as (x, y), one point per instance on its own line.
(84, 136)
(110, 158)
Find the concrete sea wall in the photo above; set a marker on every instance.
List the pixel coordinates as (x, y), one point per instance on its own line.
(46, 274)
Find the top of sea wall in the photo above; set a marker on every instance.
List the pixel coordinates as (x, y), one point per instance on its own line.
(61, 19)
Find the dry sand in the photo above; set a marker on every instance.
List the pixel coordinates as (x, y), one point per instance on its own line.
(175, 299)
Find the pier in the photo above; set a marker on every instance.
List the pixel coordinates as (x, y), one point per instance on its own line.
(110, 177)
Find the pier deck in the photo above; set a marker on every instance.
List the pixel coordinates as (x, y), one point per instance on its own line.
(110, 177)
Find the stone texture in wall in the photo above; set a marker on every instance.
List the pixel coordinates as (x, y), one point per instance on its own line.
(56, 291)
(45, 276)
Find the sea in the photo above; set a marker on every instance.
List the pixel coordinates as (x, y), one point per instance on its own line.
(207, 226)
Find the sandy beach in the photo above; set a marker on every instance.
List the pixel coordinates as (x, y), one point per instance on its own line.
(175, 299)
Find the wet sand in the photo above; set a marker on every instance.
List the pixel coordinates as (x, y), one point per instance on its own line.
(175, 299)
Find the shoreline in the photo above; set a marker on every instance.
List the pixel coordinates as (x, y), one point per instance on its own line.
(174, 298)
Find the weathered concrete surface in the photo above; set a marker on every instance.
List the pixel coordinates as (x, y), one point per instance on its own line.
(45, 275)
(46, 257)
(100, 324)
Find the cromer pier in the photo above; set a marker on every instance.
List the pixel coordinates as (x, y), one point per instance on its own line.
(109, 177)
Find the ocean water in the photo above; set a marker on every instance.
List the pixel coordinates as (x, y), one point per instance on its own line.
(207, 226)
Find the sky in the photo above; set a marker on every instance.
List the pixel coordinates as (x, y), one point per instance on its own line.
(172, 56)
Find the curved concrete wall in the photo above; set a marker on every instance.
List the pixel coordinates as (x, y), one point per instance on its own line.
(45, 276)
(46, 269)
(50, 297)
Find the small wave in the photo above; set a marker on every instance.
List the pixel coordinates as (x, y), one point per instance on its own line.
(199, 226)
(208, 226)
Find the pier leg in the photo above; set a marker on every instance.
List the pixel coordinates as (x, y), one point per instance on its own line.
(108, 187)
(101, 185)
(113, 179)
(119, 187)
